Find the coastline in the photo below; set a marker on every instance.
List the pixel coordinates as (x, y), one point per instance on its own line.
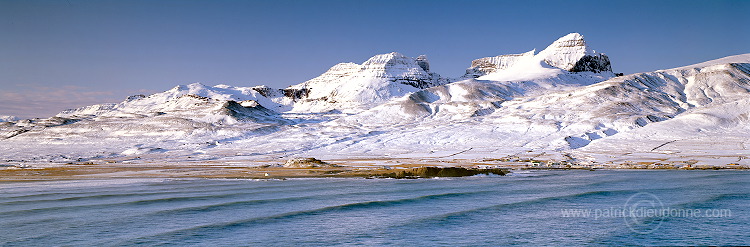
(272, 169)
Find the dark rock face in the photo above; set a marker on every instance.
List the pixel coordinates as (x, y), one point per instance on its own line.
(431, 172)
(135, 97)
(296, 94)
(251, 111)
(423, 63)
(264, 91)
(596, 64)
(236, 110)
(415, 82)
(195, 96)
(293, 93)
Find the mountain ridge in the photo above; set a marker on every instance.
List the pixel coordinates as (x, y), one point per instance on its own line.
(562, 103)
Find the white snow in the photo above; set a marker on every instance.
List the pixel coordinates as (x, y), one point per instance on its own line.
(527, 69)
(392, 106)
(566, 51)
(351, 87)
(8, 118)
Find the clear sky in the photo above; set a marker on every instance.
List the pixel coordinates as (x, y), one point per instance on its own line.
(63, 54)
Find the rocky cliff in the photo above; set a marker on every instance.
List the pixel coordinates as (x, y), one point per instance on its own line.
(569, 53)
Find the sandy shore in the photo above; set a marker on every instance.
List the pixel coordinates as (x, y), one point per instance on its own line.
(273, 169)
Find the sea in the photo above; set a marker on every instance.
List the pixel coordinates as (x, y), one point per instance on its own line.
(529, 208)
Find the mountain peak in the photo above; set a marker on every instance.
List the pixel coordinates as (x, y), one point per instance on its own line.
(570, 40)
(571, 53)
(570, 43)
(389, 60)
(423, 62)
(380, 78)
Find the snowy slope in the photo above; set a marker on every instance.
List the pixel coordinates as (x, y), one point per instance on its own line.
(498, 79)
(173, 99)
(351, 87)
(8, 118)
(563, 102)
(623, 115)
(189, 116)
(487, 65)
(714, 99)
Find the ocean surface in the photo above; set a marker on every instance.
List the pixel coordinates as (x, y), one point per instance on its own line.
(564, 208)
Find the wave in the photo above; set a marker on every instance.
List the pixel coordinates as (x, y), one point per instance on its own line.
(190, 194)
(203, 185)
(444, 218)
(497, 211)
(227, 226)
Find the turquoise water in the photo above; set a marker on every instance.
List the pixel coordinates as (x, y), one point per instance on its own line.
(526, 208)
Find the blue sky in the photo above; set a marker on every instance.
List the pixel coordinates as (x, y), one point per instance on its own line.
(62, 54)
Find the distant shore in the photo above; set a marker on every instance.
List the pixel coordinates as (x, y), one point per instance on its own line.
(304, 168)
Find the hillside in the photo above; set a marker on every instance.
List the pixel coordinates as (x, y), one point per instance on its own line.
(561, 104)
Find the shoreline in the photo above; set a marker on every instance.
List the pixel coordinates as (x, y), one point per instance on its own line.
(380, 168)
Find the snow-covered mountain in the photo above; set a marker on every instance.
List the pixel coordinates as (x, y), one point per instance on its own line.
(569, 53)
(8, 118)
(563, 103)
(353, 87)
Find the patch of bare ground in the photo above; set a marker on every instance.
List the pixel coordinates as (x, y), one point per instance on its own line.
(315, 168)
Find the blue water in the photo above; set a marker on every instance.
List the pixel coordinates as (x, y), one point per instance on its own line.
(527, 208)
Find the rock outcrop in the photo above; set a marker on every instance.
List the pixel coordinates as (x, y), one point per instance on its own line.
(569, 53)
(487, 65)
(306, 163)
(432, 172)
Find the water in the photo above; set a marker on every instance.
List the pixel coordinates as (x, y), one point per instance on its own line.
(530, 208)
